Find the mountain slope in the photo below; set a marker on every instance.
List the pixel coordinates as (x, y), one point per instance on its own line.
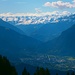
(51, 30)
(9, 26)
(29, 29)
(62, 45)
(43, 28)
(12, 43)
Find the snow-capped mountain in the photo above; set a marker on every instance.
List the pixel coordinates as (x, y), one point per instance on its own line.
(44, 26)
(26, 19)
(17, 20)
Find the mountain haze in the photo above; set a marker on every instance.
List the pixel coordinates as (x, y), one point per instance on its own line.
(12, 42)
(43, 28)
(9, 26)
(62, 45)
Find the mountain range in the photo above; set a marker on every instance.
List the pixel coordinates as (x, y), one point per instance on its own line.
(34, 42)
(27, 20)
(13, 42)
(64, 45)
(45, 31)
(9, 26)
(43, 18)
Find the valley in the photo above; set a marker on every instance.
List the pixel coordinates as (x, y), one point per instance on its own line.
(50, 45)
(50, 61)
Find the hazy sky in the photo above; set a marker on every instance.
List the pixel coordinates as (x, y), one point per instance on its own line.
(36, 6)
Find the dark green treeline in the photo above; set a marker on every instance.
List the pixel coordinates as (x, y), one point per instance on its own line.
(7, 69)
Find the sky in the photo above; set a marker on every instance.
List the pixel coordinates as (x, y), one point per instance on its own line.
(36, 6)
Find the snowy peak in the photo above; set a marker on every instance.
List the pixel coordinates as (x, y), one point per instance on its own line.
(43, 18)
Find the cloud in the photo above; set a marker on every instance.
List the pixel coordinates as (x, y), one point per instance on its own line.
(66, 13)
(33, 18)
(60, 4)
(47, 4)
(38, 10)
(73, 1)
(36, 14)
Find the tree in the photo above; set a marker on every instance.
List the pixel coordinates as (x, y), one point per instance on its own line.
(67, 73)
(47, 72)
(25, 72)
(14, 71)
(6, 68)
(56, 73)
(37, 71)
(73, 73)
(42, 71)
